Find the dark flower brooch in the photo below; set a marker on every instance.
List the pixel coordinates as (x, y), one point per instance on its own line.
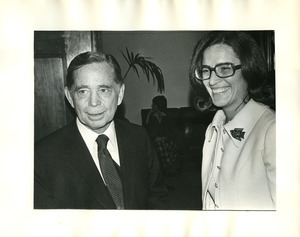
(238, 133)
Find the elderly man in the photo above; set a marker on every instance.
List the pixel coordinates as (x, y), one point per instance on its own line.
(97, 162)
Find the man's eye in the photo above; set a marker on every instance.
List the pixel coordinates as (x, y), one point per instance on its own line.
(82, 92)
(104, 90)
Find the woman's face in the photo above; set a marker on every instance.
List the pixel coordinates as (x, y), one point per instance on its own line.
(227, 93)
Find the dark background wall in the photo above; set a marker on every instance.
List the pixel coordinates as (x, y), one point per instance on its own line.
(171, 51)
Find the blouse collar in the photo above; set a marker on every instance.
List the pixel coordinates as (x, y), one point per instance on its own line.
(241, 125)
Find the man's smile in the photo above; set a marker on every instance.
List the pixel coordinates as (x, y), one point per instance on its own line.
(95, 115)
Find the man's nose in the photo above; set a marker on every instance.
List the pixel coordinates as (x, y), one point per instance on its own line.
(94, 99)
(214, 79)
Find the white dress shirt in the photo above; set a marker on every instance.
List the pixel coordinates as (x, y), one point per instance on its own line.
(90, 137)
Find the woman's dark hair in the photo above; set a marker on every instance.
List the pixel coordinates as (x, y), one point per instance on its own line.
(92, 57)
(161, 102)
(254, 67)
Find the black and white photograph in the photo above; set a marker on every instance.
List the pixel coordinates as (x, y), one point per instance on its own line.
(206, 143)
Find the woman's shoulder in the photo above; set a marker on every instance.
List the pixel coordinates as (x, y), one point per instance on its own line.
(268, 114)
(267, 120)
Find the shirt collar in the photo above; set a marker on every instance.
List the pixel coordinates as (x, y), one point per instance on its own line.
(245, 119)
(216, 124)
(90, 136)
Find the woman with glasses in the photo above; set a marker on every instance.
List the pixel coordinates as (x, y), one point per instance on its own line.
(228, 73)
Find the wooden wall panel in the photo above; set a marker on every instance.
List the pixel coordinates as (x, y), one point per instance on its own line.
(49, 103)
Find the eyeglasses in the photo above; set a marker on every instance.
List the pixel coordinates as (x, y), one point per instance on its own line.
(222, 70)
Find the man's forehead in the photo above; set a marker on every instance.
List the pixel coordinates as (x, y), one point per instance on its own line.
(97, 67)
(96, 71)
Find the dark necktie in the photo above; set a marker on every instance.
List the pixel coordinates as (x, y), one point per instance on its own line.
(109, 172)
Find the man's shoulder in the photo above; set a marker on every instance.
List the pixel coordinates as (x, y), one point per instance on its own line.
(58, 136)
(129, 127)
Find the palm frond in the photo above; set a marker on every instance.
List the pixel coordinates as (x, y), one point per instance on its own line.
(125, 57)
(136, 70)
(150, 69)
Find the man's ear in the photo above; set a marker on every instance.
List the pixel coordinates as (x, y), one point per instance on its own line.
(68, 96)
(121, 94)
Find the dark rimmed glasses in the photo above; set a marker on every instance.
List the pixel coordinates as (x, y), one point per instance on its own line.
(222, 70)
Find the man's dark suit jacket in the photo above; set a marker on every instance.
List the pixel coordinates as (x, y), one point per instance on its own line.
(65, 175)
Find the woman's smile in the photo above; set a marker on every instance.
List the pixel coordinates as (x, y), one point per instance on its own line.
(219, 90)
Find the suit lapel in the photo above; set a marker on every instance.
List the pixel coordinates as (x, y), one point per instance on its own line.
(81, 162)
(127, 160)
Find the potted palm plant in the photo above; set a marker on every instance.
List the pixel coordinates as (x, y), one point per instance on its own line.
(150, 69)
